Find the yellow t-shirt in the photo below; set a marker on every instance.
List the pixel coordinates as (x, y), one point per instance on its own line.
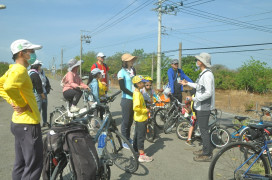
(16, 87)
(102, 88)
(139, 107)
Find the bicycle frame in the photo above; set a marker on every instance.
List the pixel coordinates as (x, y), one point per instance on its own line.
(264, 148)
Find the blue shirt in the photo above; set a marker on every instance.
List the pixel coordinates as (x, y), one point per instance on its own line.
(123, 74)
(172, 77)
(95, 90)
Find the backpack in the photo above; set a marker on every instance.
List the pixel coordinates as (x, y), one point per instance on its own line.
(73, 138)
(83, 154)
(62, 81)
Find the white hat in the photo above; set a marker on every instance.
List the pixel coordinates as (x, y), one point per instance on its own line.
(22, 44)
(100, 55)
(37, 62)
(73, 63)
(205, 58)
(96, 70)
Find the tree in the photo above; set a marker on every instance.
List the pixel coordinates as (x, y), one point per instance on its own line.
(3, 68)
(254, 76)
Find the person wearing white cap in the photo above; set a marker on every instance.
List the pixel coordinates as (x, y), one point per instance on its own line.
(41, 88)
(16, 88)
(125, 76)
(174, 76)
(103, 67)
(72, 85)
(204, 102)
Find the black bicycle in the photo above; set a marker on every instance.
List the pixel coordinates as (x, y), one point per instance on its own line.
(174, 115)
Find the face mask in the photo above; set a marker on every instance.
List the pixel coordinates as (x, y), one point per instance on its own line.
(32, 59)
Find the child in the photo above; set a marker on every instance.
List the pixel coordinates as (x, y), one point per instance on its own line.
(189, 110)
(94, 86)
(140, 117)
(148, 93)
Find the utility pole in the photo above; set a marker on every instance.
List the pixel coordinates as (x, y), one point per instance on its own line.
(159, 47)
(166, 9)
(61, 60)
(83, 38)
(152, 67)
(180, 55)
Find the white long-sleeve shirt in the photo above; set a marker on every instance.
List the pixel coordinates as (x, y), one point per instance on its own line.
(204, 99)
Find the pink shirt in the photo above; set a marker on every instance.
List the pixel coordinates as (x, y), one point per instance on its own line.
(72, 81)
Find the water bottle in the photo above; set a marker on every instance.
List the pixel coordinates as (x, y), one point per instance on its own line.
(101, 143)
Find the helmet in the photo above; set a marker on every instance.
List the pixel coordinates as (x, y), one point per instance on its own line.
(148, 78)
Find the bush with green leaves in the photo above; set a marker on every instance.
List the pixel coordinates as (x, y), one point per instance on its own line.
(3, 68)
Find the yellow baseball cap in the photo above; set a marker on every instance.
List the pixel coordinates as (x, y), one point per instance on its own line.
(148, 78)
(137, 79)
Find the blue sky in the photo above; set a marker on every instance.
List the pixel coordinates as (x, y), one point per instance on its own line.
(57, 24)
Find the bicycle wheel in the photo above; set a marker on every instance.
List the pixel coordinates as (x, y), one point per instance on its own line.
(125, 159)
(226, 164)
(220, 137)
(169, 124)
(57, 117)
(160, 117)
(150, 131)
(63, 171)
(94, 125)
(244, 136)
(183, 129)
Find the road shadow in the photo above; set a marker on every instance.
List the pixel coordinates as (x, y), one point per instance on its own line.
(142, 171)
(156, 146)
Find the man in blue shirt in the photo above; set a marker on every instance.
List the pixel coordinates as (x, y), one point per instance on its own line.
(175, 76)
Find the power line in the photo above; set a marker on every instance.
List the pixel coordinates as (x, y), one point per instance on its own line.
(218, 47)
(226, 21)
(140, 7)
(222, 52)
(114, 16)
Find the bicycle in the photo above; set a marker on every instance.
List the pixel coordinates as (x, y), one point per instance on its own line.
(62, 115)
(219, 136)
(264, 111)
(173, 115)
(125, 159)
(62, 168)
(150, 126)
(242, 160)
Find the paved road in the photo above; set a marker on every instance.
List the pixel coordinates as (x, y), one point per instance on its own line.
(173, 159)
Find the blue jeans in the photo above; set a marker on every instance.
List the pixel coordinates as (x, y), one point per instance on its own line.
(42, 106)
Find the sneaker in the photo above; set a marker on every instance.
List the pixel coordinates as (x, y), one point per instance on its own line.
(189, 143)
(125, 146)
(145, 158)
(74, 109)
(199, 152)
(203, 158)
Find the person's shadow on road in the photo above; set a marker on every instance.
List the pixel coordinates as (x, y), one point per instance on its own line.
(156, 146)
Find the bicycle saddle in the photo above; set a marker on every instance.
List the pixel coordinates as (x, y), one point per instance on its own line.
(240, 118)
(259, 126)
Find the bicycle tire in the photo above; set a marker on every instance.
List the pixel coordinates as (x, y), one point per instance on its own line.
(57, 117)
(244, 136)
(169, 124)
(232, 156)
(125, 159)
(63, 171)
(160, 117)
(220, 137)
(182, 129)
(150, 131)
(103, 175)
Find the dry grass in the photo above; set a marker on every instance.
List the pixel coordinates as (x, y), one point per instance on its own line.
(233, 101)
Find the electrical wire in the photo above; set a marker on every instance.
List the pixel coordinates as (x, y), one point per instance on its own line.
(122, 10)
(140, 7)
(219, 47)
